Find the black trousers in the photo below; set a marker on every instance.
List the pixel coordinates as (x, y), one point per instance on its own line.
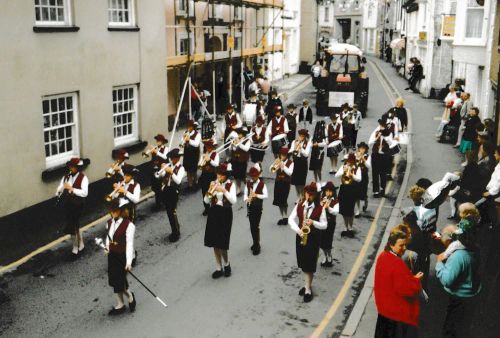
(380, 168)
(170, 198)
(454, 316)
(156, 187)
(388, 328)
(254, 216)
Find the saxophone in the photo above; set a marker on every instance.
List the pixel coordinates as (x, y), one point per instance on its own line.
(306, 230)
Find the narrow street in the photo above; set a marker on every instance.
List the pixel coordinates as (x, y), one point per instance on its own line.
(260, 299)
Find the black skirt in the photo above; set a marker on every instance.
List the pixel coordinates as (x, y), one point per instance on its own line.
(317, 157)
(363, 186)
(299, 174)
(239, 170)
(327, 234)
(348, 195)
(170, 197)
(307, 256)
(281, 192)
(117, 276)
(257, 155)
(218, 230)
(191, 158)
(72, 214)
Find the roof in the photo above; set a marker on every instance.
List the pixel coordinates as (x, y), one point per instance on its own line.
(343, 48)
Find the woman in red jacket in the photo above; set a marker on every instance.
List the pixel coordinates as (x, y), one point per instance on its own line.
(396, 290)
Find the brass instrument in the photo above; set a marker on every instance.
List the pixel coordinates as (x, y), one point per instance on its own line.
(276, 165)
(347, 176)
(297, 148)
(113, 169)
(306, 230)
(211, 191)
(185, 140)
(325, 202)
(114, 194)
(145, 154)
(204, 159)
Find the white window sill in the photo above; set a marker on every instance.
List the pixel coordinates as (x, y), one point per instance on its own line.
(125, 141)
(469, 43)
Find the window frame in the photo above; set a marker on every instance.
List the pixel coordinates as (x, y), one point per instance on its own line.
(134, 136)
(132, 16)
(68, 15)
(218, 11)
(237, 37)
(183, 12)
(61, 158)
(326, 14)
(184, 36)
(461, 29)
(238, 13)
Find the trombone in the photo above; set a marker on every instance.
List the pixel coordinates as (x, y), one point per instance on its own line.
(114, 194)
(113, 169)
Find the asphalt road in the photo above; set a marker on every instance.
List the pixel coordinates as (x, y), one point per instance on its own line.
(50, 296)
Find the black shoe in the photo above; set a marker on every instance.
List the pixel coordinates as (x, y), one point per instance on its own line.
(357, 216)
(227, 271)
(205, 212)
(173, 237)
(134, 261)
(280, 222)
(114, 312)
(365, 207)
(326, 264)
(343, 233)
(217, 274)
(382, 194)
(350, 234)
(256, 250)
(376, 195)
(132, 305)
(285, 221)
(302, 291)
(308, 297)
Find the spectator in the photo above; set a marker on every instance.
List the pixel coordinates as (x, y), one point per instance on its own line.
(400, 112)
(416, 75)
(459, 275)
(466, 106)
(470, 134)
(396, 290)
(467, 190)
(411, 65)
(492, 192)
(449, 100)
(316, 73)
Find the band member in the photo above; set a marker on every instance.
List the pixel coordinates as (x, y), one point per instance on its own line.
(255, 193)
(354, 122)
(334, 134)
(72, 191)
(330, 203)
(364, 162)
(220, 196)
(300, 150)
(172, 174)
(311, 219)
(305, 113)
(208, 163)
(273, 104)
(259, 141)
(129, 191)
(319, 142)
(392, 123)
(120, 251)
(239, 158)
(283, 167)
(380, 141)
(232, 121)
(293, 120)
(347, 128)
(277, 130)
(159, 156)
(261, 111)
(115, 171)
(350, 173)
(191, 143)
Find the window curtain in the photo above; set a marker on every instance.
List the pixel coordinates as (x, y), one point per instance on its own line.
(475, 15)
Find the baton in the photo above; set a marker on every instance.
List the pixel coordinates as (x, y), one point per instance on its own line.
(99, 242)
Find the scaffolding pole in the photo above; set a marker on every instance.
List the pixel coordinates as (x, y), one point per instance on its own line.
(180, 106)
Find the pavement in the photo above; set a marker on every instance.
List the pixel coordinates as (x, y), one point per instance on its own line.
(432, 160)
(50, 296)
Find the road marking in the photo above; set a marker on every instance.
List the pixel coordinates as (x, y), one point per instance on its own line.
(364, 249)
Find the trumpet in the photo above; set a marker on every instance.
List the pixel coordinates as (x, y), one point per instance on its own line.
(347, 177)
(326, 202)
(114, 168)
(204, 159)
(276, 165)
(211, 191)
(145, 154)
(297, 148)
(306, 230)
(185, 140)
(113, 194)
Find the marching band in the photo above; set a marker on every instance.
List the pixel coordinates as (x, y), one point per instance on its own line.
(313, 217)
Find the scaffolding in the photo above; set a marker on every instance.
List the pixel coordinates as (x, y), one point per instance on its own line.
(185, 63)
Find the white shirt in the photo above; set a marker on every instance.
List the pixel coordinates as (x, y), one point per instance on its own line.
(356, 176)
(177, 178)
(493, 186)
(303, 152)
(254, 87)
(135, 196)
(356, 119)
(308, 208)
(287, 170)
(163, 153)
(129, 235)
(245, 146)
(197, 139)
(82, 192)
(373, 139)
(262, 196)
(257, 132)
(230, 195)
